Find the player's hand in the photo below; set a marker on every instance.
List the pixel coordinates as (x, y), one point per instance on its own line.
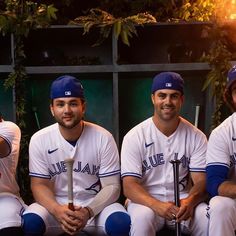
(167, 210)
(82, 215)
(186, 210)
(67, 219)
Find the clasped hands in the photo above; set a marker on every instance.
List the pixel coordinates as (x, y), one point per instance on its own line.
(171, 212)
(72, 221)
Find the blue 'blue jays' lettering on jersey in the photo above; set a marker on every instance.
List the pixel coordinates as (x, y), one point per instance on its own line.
(60, 167)
(158, 159)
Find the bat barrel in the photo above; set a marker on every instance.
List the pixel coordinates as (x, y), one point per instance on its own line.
(69, 165)
(175, 164)
(197, 111)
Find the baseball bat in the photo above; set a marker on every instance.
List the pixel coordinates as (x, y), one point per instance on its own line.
(69, 165)
(36, 117)
(175, 164)
(197, 111)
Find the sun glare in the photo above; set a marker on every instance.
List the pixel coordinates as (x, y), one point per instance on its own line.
(233, 12)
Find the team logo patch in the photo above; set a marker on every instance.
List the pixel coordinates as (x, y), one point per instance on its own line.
(67, 93)
(168, 85)
(96, 187)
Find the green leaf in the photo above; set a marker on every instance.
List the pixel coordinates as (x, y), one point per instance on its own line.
(124, 37)
(117, 27)
(51, 12)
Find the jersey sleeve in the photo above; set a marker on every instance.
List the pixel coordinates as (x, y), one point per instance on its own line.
(198, 156)
(10, 132)
(218, 160)
(130, 157)
(218, 152)
(37, 163)
(110, 163)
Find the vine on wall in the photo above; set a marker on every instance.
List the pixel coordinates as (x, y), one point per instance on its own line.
(219, 58)
(18, 19)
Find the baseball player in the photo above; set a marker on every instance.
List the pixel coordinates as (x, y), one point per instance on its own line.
(11, 205)
(221, 168)
(147, 173)
(96, 171)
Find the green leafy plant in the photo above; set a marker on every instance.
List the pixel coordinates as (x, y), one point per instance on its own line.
(219, 58)
(18, 19)
(196, 10)
(123, 27)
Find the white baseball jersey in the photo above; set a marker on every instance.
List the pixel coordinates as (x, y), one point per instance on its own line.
(10, 132)
(146, 154)
(222, 145)
(95, 156)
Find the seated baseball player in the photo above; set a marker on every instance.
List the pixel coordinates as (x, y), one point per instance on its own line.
(96, 171)
(11, 204)
(147, 173)
(221, 168)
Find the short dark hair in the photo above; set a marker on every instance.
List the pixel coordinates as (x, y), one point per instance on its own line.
(229, 99)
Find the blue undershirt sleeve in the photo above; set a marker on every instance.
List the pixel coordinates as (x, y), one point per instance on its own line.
(216, 175)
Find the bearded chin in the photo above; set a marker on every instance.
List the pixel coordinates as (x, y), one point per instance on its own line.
(70, 126)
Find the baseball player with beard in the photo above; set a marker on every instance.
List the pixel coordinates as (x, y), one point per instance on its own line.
(96, 171)
(221, 168)
(11, 205)
(147, 173)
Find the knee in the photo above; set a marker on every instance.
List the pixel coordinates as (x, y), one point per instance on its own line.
(221, 204)
(145, 214)
(33, 225)
(118, 224)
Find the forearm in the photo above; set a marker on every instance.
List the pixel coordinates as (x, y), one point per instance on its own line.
(139, 195)
(109, 193)
(227, 189)
(134, 191)
(198, 193)
(44, 195)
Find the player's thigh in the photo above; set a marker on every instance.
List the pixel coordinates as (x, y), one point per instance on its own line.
(199, 222)
(222, 208)
(97, 224)
(52, 225)
(142, 215)
(11, 209)
(221, 204)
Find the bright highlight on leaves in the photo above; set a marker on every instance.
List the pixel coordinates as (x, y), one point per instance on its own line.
(123, 27)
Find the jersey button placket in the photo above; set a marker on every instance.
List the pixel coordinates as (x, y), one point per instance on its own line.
(167, 159)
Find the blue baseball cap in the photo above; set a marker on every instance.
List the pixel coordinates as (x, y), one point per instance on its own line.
(168, 80)
(66, 86)
(231, 78)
